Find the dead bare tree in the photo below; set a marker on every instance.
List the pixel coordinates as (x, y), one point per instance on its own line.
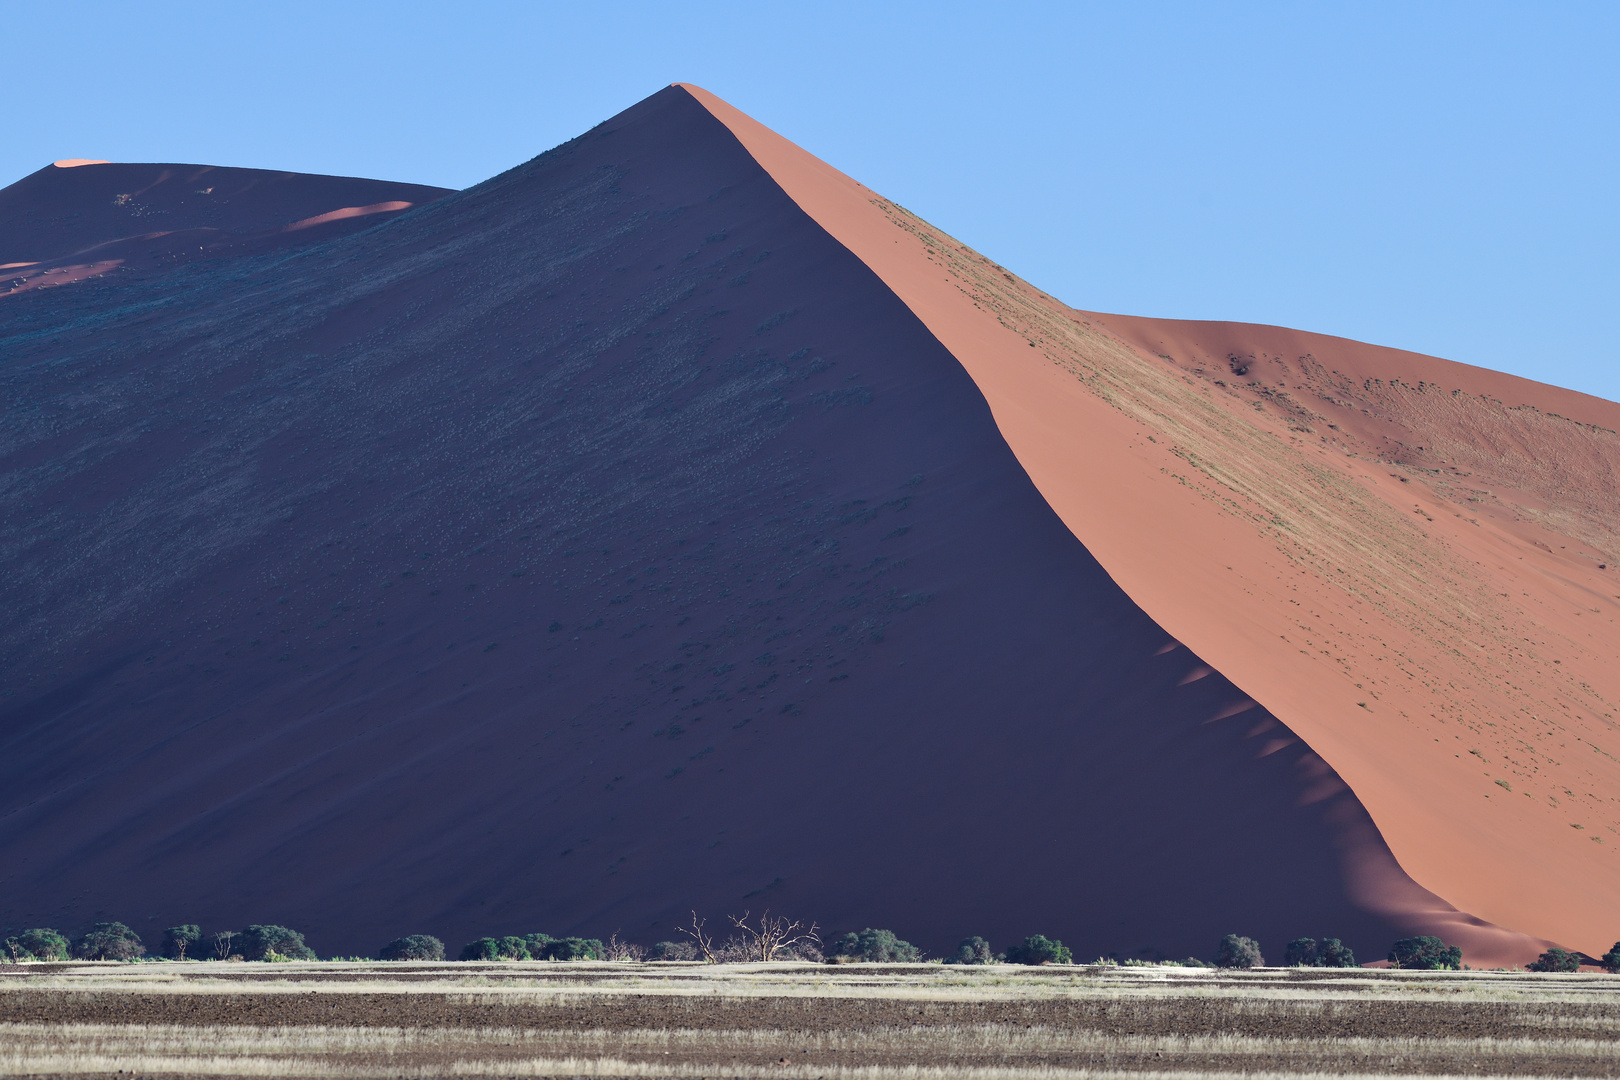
(622, 950)
(222, 944)
(705, 942)
(774, 935)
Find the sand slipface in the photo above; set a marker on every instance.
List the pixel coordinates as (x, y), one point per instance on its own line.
(670, 523)
(1409, 561)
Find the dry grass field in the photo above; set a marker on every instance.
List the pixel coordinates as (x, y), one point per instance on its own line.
(796, 1020)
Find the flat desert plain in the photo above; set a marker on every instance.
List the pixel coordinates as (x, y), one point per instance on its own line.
(367, 1019)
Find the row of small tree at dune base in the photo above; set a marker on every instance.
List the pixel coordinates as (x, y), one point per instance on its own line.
(115, 941)
(769, 938)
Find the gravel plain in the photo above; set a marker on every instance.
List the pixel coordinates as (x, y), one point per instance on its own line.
(796, 1020)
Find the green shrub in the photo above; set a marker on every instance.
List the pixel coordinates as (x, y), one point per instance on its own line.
(1334, 953)
(1038, 950)
(573, 948)
(973, 950)
(178, 940)
(260, 942)
(1235, 951)
(41, 944)
(485, 948)
(1308, 952)
(1425, 953)
(1300, 952)
(536, 944)
(872, 947)
(109, 941)
(413, 947)
(1611, 960)
(1556, 959)
(501, 948)
(673, 950)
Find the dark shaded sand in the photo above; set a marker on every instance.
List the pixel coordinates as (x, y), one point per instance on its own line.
(1410, 562)
(77, 219)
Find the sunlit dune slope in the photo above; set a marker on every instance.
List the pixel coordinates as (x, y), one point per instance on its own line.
(74, 220)
(600, 543)
(1409, 561)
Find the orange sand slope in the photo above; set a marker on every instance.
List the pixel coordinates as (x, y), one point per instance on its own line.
(1410, 562)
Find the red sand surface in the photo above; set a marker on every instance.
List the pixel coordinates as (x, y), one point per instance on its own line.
(599, 543)
(60, 222)
(1408, 561)
(671, 522)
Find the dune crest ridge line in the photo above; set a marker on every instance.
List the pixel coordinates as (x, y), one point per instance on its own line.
(1409, 561)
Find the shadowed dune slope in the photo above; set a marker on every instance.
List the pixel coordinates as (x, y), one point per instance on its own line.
(599, 543)
(1410, 562)
(68, 222)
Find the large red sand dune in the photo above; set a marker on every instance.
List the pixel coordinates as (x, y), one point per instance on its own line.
(671, 522)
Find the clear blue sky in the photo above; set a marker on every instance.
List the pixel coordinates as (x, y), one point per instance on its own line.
(1435, 176)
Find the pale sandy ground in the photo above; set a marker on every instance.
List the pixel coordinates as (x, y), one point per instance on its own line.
(798, 1020)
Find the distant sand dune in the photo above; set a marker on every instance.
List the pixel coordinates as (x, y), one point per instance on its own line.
(152, 215)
